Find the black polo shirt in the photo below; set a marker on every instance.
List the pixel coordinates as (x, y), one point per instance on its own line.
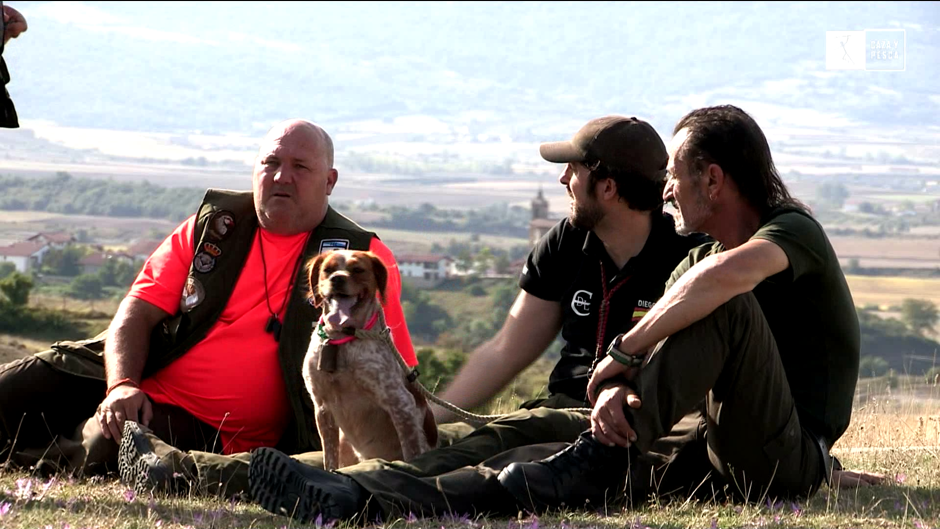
(567, 265)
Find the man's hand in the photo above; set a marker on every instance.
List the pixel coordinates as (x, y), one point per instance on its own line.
(608, 422)
(124, 403)
(606, 369)
(852, 479)
(13, 23)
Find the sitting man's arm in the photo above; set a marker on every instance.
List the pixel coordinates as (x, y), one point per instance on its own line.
(125, 354)
(531, 326)
(706, 286)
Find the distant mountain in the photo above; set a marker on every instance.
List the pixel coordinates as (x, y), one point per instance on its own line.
(514, 68)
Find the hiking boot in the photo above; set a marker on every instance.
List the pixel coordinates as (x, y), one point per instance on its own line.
(586, 472)
(148, 464)
(285, 486)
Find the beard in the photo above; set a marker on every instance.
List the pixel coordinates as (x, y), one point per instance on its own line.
(690, 218)
(585, 215)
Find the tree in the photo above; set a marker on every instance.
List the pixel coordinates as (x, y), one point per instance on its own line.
(64, 262)
(502, 264)
(6, 268)
(833, 194)
(16, 288)
(920, 315)
(873, 366)
(86, 286)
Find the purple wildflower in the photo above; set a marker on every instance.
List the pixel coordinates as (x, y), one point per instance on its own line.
(797, 510)
(920, 525)
(5, 508)
(714, 524)
(129, 495)
(24, 489)
(411, 518)
(197, 517)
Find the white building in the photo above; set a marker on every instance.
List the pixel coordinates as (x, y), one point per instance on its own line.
(57, 240)
(25, 256)
(423, 267)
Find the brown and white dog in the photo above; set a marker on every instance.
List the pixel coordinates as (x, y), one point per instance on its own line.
(365, 406)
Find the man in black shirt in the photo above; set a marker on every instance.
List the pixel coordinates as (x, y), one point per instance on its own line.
(591, 277)
(761, 324)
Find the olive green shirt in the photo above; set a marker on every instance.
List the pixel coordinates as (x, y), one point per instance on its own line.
(812, 316)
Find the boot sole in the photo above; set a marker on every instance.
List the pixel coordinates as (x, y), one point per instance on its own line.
(139, 467)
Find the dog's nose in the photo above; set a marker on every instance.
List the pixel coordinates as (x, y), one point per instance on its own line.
(338, 281)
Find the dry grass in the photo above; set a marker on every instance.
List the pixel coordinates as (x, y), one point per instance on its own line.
(893, 431)
(890, 291)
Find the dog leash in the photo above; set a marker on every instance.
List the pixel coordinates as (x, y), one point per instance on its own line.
(385, 334)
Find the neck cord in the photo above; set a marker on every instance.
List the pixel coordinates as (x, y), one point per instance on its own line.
(274, 323)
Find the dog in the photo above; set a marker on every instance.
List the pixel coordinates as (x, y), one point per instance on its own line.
(365, 405)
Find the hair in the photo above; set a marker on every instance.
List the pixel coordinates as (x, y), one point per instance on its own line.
(727, 136)
(639, 192)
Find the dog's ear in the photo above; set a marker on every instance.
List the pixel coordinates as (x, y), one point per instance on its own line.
(313, 277)
(381, 275)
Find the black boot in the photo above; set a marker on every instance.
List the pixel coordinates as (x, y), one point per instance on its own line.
(585, 473)
(283, 485)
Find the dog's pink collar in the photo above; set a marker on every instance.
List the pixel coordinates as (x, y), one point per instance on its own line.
(347, 339)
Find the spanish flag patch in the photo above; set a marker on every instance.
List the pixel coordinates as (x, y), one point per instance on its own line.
(638, 313)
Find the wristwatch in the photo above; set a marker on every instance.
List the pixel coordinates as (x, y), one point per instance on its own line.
(628, 360)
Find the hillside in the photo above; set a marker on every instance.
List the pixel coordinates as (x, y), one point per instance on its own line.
(517, 70)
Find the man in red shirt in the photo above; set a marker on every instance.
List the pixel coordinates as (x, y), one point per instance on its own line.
(203, 356)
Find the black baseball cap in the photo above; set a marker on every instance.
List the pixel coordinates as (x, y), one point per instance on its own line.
(619, 142)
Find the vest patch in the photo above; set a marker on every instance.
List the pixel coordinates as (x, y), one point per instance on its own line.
(193, 294)
(221, 224)
(203, 262)
(329, 245)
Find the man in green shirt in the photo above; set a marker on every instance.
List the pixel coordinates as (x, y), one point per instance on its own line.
(760, 323)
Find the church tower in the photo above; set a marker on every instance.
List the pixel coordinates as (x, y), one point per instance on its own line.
(539, 206)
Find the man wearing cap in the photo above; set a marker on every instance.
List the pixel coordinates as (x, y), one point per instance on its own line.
(591, 277)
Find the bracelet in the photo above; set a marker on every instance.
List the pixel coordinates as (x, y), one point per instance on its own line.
(121, 382)
(628, 360)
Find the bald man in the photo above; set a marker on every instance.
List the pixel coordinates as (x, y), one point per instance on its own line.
(202, 359)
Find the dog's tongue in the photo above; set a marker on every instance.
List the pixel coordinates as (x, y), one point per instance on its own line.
(340, 311)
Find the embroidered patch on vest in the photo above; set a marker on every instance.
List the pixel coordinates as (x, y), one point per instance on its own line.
(221, 224)
(211, 249)
(203, 262)
(329, 245)
(193, 294)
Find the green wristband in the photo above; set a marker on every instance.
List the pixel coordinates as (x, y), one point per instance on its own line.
(621, 357)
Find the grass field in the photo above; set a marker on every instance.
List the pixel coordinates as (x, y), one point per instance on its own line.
(890, 291)
(895, 432)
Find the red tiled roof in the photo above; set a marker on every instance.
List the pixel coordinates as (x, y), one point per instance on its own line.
(22, 249)
(421, 258)
(143, 247)
(99, 258)
(54, 237)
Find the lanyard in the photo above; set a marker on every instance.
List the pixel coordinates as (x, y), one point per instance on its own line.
(602, 315)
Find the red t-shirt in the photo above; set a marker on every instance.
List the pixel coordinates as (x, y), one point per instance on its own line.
(232, 379)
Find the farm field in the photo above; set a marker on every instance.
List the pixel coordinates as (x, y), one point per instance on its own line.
(890, 291)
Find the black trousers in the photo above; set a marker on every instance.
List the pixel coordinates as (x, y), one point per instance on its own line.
(47, 421)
